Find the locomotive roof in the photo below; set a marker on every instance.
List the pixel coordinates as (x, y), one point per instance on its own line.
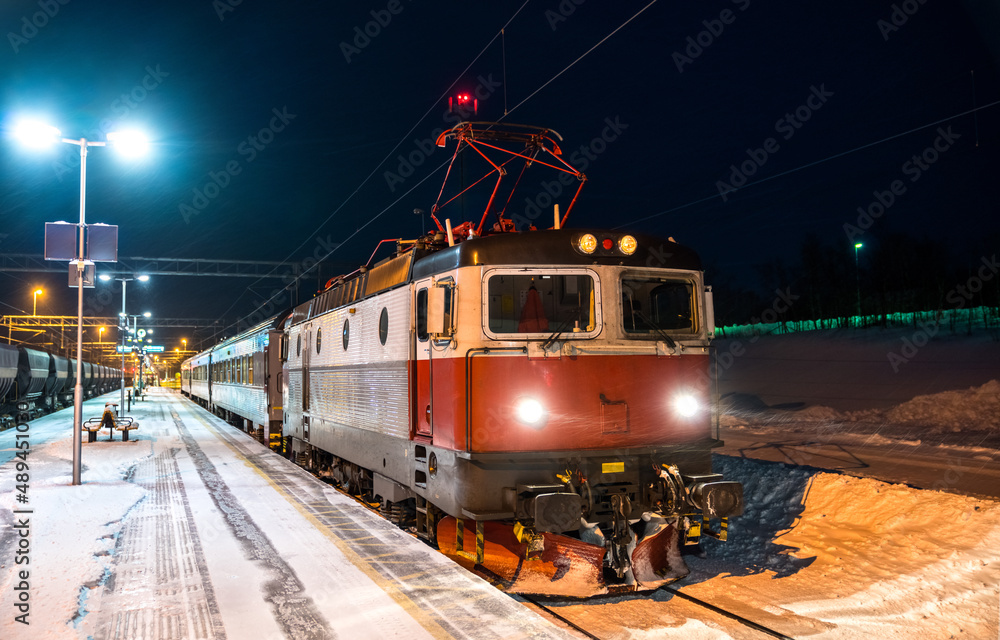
(528, 249)
(556, 247)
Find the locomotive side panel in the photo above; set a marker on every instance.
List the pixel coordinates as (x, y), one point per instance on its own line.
(348, 380)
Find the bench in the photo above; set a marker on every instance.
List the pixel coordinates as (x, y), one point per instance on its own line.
(124, 424)
(92, 426)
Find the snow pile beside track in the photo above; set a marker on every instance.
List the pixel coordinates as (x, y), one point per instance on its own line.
(975, 409)
(972, 410)
(867, 557)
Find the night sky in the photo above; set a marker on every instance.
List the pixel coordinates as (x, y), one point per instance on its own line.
(278, 129)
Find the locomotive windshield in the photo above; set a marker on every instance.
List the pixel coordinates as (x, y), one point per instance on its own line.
(536, 302)
(651, 305)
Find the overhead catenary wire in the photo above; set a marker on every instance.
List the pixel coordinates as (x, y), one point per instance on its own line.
(506, 113)
(809, 164)
(378, 166)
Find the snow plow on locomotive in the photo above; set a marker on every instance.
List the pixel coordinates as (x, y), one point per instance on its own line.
(537, 404)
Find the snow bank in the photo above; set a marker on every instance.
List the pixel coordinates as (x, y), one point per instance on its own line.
(972, 412)
(866, 557)
(975, 409)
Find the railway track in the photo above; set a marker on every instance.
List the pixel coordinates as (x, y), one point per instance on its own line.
(742, 620)
(729, 614)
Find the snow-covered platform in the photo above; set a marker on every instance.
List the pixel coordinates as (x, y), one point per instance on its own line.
(192, 529)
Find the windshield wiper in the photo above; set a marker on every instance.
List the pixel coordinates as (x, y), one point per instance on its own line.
(670, 341)
(562, 328)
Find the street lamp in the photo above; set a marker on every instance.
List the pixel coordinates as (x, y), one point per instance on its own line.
(36, 134)
(124, 321)
(34, 301)
(857, 278)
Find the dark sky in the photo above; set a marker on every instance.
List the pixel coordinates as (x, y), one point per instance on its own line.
(307, 115)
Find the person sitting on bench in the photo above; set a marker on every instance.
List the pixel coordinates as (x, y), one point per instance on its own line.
(108, 419)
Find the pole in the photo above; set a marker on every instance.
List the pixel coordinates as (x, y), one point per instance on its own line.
(857, 281)
(121, 320)
(80, 267)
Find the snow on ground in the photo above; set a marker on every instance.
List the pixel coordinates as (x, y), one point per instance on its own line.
(194, 530)
(827, 556)
(73, 528)
(817, 554)
(850, 370)
(864, 557)
(850, 382)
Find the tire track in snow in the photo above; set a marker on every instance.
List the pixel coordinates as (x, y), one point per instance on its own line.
(294, 611)
(424, 590)
(163, 592)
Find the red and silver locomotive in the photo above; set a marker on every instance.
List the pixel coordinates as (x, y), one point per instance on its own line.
(536, 403)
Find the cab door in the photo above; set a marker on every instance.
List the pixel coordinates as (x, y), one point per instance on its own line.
(423, 376)
(433, 330)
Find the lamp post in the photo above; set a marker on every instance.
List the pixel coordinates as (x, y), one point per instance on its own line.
(34, 301)
(124, 322)
(38, 135)
(857, 278)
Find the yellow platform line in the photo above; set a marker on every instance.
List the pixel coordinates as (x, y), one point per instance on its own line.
(389, 587)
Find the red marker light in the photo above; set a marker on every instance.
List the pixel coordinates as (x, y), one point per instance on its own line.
(607, 244)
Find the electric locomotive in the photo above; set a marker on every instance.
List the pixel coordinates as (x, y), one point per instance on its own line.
(537, 403)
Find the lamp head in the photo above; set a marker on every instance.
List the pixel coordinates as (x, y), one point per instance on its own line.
(35, 134)
(129, 143)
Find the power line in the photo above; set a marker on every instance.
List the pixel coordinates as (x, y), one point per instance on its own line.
(810, 164)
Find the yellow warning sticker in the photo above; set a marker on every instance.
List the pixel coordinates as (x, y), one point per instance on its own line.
(613, 467)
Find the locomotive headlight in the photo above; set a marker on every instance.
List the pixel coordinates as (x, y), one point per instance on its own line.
(587, 243)
(686, 405)
(628, 245)
(530, 412)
